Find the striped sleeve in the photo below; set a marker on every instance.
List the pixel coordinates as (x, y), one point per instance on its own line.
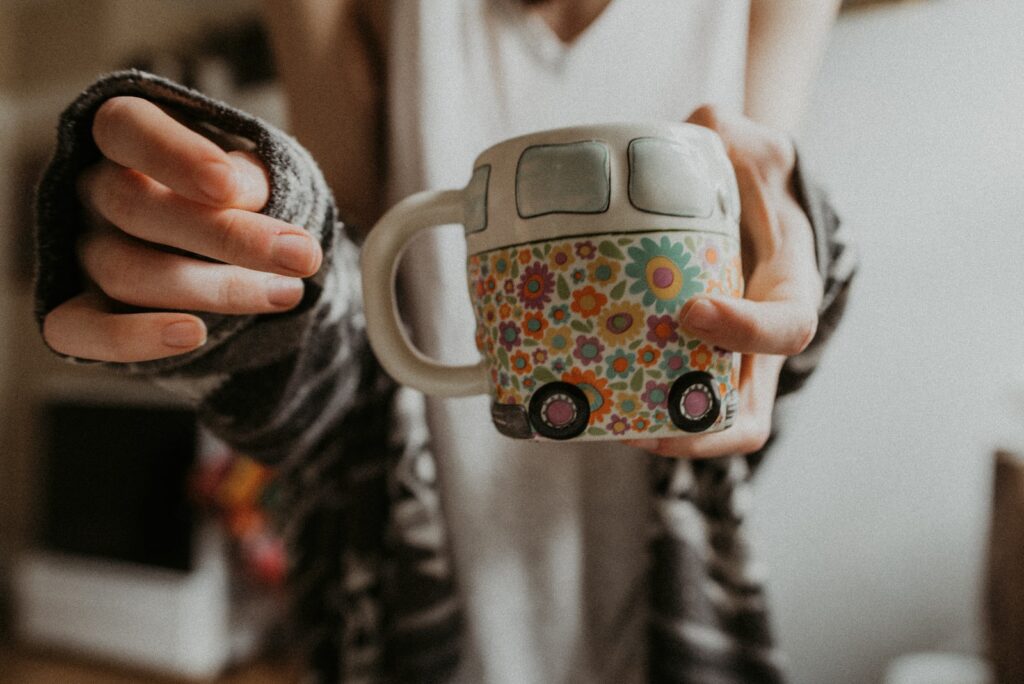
(372, 586)
(837, 264)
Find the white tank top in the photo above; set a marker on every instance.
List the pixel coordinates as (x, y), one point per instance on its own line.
(548, 539)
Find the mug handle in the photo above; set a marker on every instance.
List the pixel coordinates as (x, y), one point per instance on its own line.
(379, 264)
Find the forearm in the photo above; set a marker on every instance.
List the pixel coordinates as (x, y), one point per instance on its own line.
(784, 49)
(331, 59)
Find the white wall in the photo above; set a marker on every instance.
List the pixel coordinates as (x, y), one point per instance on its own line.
(873, 513)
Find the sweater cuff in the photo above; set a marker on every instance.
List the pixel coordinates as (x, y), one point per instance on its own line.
(298, 193)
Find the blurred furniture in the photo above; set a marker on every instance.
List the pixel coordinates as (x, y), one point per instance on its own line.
(1004, 594)
(101, 553)
(27, 666)
(938, 668)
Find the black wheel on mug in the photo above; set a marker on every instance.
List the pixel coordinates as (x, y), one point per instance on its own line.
(559, 410)
(693, 403)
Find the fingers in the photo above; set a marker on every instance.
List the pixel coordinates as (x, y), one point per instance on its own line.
(153, 212)
(768, 148)
(137, 134)
(84, 327)
(131, 271)
(783, 327)
(758, 383)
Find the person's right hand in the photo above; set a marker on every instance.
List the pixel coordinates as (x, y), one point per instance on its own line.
(161, 185)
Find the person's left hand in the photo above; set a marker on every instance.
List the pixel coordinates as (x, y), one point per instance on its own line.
(778, 315)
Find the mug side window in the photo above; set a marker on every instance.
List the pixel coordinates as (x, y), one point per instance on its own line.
(671, 178)
(572, 178)
(475, 193)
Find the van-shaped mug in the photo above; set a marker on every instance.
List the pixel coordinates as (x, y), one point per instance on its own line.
(584, 244)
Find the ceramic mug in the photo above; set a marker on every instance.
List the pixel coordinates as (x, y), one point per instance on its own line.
(584, 244)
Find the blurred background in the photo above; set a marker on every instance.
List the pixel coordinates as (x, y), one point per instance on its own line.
(890, 551)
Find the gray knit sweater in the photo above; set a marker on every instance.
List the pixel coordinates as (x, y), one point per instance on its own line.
(369, 563)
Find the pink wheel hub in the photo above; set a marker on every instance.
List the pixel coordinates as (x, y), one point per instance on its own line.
(559, 411)
(696, 403)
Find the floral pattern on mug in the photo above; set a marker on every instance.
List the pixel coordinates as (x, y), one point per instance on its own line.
(602, 314)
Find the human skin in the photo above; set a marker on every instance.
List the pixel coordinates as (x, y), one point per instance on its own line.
(161, 183)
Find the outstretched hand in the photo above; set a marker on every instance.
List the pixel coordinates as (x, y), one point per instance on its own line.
(161, 185)
(778, 316)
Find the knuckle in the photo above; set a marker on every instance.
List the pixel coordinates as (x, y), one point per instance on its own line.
(780, 150)
(805, 329)
(111, 118)
(234, 294)
(233, 238)
(755, 439)
(119, 195)
(113, 266)
(749, 332)
(774, 154)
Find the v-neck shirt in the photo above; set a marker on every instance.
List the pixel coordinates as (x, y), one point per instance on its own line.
(548, 540)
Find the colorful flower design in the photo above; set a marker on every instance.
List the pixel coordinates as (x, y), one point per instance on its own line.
(561, 257)
(587, 302)
(710, 255)
(714, 287)
(520, 363)
(586, 250)
(588, 350)
(648, 356)
(661, 274)
(701, 358)
(480, 337)
(617, 425)
(536, 285)
(534, 324)
(620, 364)
(559, 313)
(629, 404)
(508, 335)
(661, 330)
(621, 323)
(733, 277)
(558, 339)
(655, 394)
(596, 390)
(599, 314)
(603, 270)
(673, 362)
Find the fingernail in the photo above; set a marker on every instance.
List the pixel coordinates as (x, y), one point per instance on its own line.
(252, 182)
(699, 315)
(184, 334)
(283, 291)
(295, 253)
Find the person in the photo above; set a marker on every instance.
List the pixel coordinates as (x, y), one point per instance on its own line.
(187, 241)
